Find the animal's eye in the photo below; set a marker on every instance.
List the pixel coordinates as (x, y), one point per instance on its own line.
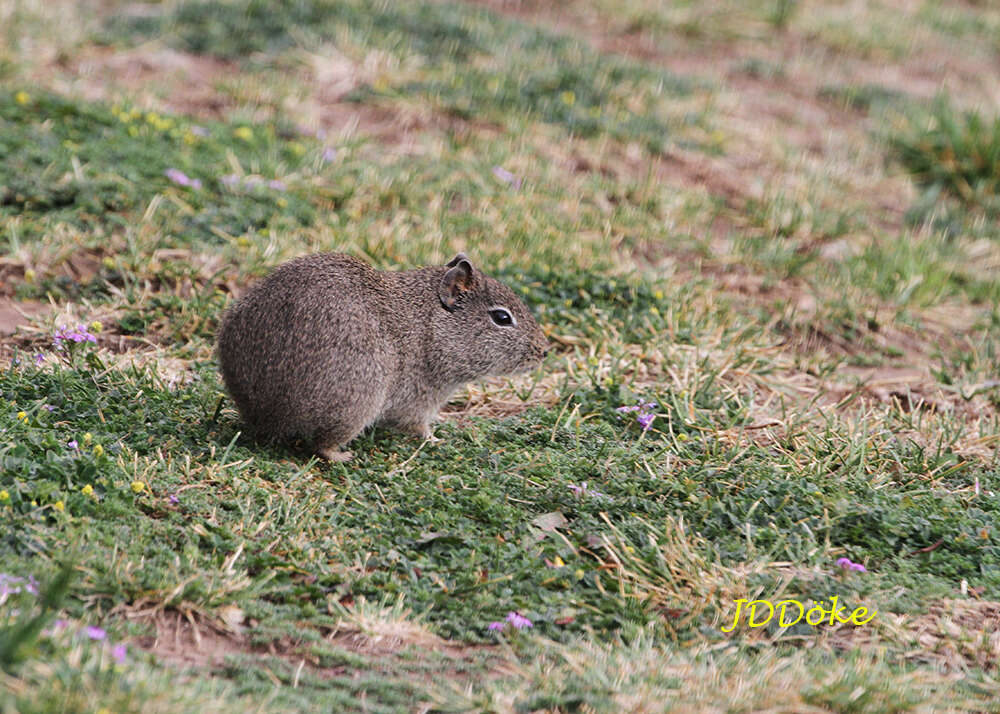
(501, 317)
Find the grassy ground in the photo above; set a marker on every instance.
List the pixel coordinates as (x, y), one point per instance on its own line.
(776, 221)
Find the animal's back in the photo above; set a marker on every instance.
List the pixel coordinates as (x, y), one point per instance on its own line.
(304, 343)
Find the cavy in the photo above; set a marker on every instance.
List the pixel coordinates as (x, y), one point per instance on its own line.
(326, 346)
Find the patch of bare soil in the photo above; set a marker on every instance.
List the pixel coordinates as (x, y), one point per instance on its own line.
(209, 88)
(952, 634)
(14, 314)
(190, 640)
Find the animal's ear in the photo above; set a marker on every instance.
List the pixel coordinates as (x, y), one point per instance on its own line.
(458, 280)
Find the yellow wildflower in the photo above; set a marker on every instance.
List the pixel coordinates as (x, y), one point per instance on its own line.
(4, 496)
(282, 202)
(23, 417)
(59, 506)
(568, 98)
(138, 486)
(243, 132)
(87, 438)
(87, 490)
(22, 97)
(98, 450)
(658, 295)
(96, 326)
(29, 276)
(296, 148)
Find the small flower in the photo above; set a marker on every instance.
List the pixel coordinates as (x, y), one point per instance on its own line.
(624, 410)
(277, 185)
(22, 98)
(181, 178)
(98, 450)
(48, 407)
(243, 132)
(496, 626)
(229, 180)
(76, 336)
(518, 620)
(72, 444)
(96, 326)
(507, 177)
(59, 506)
(22, 416)
(29, 275)
(568, 98)
(329, 154)
(847, 564)
(94, 633)
(4, 496)
(87, 438)
(120, 653)
(645, 420)
(138, 486)
(87, 490)
(173, 499)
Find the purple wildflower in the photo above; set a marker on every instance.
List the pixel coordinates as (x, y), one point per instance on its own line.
(625, 410)
(496, 626)
(518, 620)
(120, 653)
(199, 130)
(48, 407)
(229, 180)
(12, 585)
(173, 499)
(94, 633)
(645, 420)
(584, 489)
(329, 154)
(847, 564)
(507, 177)
(80, 334)
(181, 178)
(39, 358)
(277, 185)
(72, 444)
(59, 625)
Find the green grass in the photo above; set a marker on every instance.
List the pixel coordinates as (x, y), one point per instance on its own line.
(477, 62)
(952, 152)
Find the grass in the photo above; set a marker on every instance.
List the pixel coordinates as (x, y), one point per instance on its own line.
(801, 286)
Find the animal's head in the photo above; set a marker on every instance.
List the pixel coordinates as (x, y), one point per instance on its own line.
(484, 328)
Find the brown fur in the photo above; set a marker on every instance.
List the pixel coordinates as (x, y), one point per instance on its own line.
(326, 346)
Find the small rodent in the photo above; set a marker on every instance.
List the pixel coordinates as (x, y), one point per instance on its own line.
(326, 346)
